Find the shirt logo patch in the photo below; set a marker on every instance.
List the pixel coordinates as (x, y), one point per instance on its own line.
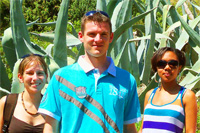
(81, 91)
(117, 92)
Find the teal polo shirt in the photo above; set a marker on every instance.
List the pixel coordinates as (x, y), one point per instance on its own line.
(83, 100)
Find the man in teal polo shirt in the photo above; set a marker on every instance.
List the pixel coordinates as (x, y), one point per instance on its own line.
(92, 95)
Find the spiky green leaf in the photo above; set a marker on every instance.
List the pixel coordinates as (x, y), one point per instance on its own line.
(125, 26)
(4, 80)
(19, 29)
(60, 49)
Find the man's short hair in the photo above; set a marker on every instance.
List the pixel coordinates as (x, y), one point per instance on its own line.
(96, 17)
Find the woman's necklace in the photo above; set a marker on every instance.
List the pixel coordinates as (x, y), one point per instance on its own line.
(25, 107)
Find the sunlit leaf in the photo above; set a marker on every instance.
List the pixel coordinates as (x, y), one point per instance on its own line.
(60, 50)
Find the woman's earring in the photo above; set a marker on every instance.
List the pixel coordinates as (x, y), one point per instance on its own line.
(157, 77)
(179, 78)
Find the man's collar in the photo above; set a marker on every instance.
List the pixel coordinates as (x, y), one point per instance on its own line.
(88, 67)
(84, 64)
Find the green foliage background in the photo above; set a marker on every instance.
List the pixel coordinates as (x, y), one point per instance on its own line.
(47, 11)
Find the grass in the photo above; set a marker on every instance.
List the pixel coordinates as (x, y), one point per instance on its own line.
(39, 42)
(138, 125)
(198, 116)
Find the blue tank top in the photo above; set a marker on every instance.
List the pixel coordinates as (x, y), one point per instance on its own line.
(168, 118)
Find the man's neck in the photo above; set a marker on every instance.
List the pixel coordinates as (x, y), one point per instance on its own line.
(100, 63)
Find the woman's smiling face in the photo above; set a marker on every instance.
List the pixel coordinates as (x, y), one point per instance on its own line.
(34, 77)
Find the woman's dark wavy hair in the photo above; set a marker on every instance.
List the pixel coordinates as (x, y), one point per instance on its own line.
(160, 52)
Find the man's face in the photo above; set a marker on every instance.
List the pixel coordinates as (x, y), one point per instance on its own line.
(96, 38)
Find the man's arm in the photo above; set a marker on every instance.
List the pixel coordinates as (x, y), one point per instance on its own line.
(130, 128)
(51, 125)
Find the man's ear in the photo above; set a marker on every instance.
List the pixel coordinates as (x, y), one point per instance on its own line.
(111, 37)
(20, 77)
(80, 36)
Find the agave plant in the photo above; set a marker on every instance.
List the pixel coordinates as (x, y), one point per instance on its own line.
(178, 32)
(16, 41)
(130, 53)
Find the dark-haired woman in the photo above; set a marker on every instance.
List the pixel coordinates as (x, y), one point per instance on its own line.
(33, 73)
(169, 107)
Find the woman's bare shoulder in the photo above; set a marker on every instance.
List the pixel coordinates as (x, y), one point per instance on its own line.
(189, 93)
(149, 92)
(3, 100)
(189, 96)
(2, 103)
